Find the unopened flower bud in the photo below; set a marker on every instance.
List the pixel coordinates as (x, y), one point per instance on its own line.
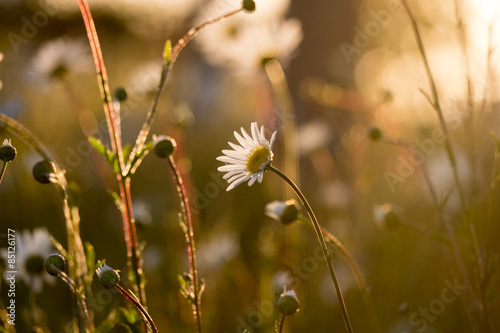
(120, 94)
(387, 216)
(107, 276)
(375, 134)
(288, 303)
(55, 263)
(7, 152)
(44, 172)
(164, 146)
(249, 5)
(285, 212)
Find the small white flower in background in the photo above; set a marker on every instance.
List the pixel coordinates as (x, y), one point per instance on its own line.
(264, 10)
(31, 250)
(243, 43)
(144, 80)
(285, 212)
(217, 250)
(313, 136)
(261, 42)
(249, 160)
(58, 58)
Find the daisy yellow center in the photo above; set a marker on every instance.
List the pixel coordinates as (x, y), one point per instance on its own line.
(257, 158)
(34, 265)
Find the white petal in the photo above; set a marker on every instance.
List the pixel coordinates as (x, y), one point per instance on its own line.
(248, 146)
(231, 167)
(273, 138)
(255, 133)
(261, 176)
(235, 154)
(252, 180)
(237, 182)
(231, 160)
(230, 174)
(236, 177)
(249, 139)
(237, 148)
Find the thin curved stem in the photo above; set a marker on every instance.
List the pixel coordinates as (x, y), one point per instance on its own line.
(282, 324)
(167, 67)
(139, 307)
(76, 267)
(326, 252)
(186, 213)
(2, 171)
(113, 122)
(354, 268)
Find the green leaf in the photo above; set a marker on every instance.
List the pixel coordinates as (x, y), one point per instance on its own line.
(99, 146)
(90, 257)
(116, 165)
(167, 52)
(126, 151)
(107, 153)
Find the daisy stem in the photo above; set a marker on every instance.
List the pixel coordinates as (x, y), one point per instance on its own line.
(354, 268)
(2, 172)
(186, 216)
(326, 252)
(139, 306)
(112, 120)
(282, 324)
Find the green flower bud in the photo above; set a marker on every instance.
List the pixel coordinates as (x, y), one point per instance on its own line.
(120, 94)
(249, 5)
(288, 303)
(164, 146)
(55, 263)
(285, 212)
(375, 134)
(45, 172)
(107, 276)
(7, 152)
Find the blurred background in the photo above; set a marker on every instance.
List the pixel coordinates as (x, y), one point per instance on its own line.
(350, 67)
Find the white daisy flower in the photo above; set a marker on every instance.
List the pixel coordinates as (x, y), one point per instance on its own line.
(248, 161)
(58, 58)
(264, 41)
(243, 43)
(31, 250)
